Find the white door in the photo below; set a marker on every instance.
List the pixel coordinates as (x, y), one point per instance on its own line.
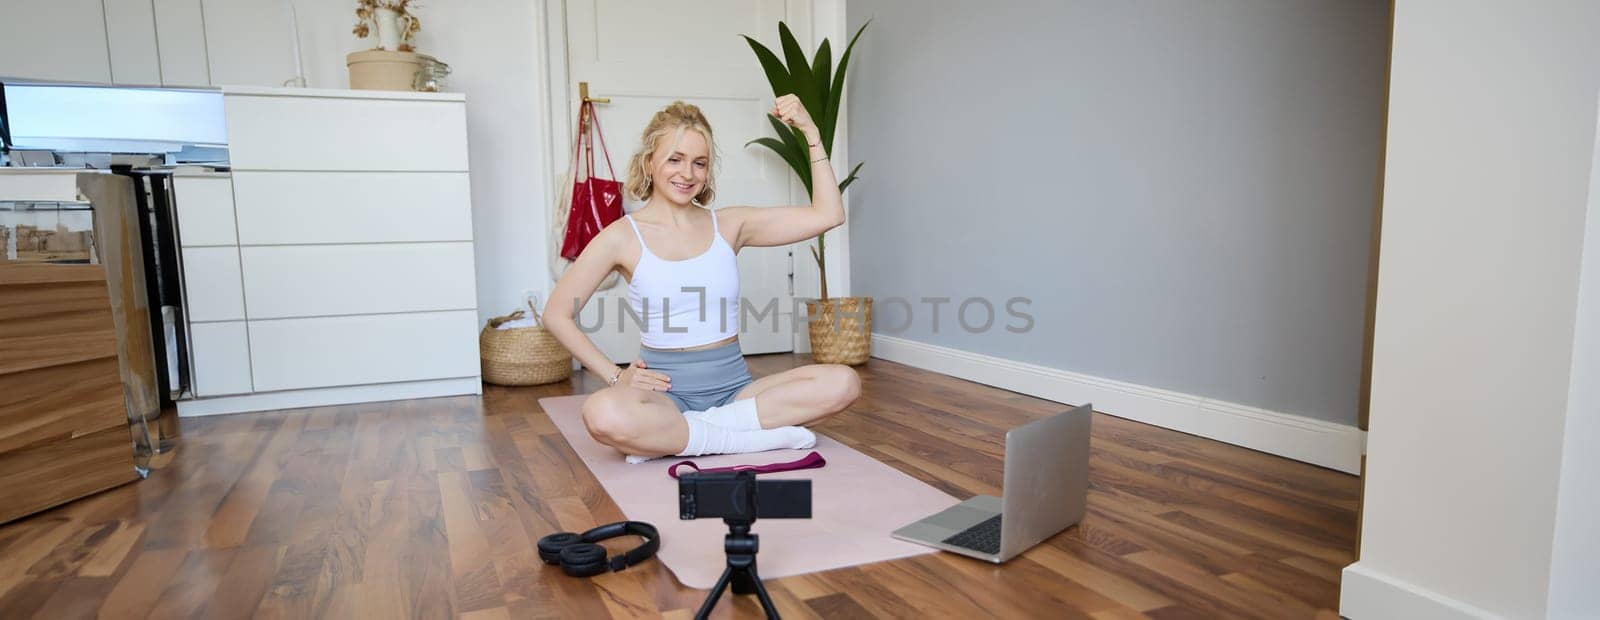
(644, 54)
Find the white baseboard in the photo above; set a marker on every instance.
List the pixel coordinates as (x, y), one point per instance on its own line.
(322, 397)
(1366, 594)
(1331, 445)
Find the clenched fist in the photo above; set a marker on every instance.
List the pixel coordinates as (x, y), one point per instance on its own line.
(788, 109)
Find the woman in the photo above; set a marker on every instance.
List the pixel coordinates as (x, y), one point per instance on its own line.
(690, 392)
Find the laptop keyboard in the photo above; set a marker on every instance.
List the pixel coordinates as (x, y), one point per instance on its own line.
(983, 537)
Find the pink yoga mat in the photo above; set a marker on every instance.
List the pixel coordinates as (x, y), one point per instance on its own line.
(856, 502)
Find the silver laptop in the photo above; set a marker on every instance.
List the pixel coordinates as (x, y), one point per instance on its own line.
(1046, 489)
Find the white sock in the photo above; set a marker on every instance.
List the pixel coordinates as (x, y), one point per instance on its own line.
(706, 438)
(739, 415)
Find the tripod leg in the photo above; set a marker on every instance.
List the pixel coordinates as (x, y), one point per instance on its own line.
(761, 593)
(716, 593)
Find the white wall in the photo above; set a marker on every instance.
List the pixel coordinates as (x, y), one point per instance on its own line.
(1491, 139)
(1184, 190)
(1573, 574)
(495, 48)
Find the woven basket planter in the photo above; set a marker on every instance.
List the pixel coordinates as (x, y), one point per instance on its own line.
(521, 355)
(841, 330)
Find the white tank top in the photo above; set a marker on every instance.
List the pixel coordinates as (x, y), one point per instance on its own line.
(674, 318)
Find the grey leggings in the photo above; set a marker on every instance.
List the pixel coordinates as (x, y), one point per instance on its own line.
(700, 379)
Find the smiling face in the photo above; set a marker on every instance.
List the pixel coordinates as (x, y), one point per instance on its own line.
(675, 160)
(680, 166)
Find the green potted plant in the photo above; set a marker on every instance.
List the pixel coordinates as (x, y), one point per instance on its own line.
(840, 326)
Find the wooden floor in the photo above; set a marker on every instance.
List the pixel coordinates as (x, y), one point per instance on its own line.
(429, 508)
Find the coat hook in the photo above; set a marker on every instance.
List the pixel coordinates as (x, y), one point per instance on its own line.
(583, 95)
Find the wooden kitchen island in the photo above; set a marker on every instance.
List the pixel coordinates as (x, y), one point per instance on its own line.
(63, 424)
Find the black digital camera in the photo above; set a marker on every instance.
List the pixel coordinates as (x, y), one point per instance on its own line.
(741, 497)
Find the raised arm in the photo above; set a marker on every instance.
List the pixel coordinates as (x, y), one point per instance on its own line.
(772, 226)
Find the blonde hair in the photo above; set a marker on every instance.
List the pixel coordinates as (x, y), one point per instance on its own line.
(675, 118)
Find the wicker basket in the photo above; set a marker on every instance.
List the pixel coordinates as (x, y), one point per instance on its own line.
(521, 355)
(841, 330)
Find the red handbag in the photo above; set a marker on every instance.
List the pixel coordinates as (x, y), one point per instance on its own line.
(596, 202)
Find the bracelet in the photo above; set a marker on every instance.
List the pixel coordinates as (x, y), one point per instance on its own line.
(616, 376)
(824, 158)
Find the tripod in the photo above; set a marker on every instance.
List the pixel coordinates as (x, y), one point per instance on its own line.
(741, 547)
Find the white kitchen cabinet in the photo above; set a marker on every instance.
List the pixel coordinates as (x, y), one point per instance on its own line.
(147, 42)
(205, 210)
(135, 42)
(247, 42)
(54, 40)
(131, 41)
(181, 35)
(212, 287)
(221, 358)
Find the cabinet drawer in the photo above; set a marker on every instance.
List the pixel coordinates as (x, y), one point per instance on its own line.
(324, 280)
(354, 350)
(205, 210)
(49, 473)
(221, 358)
(211, 284)
(330, 133)
(352, 207)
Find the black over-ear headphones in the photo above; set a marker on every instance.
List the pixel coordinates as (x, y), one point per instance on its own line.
(579, 556)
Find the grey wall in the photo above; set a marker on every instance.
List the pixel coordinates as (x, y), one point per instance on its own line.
(1184, 189)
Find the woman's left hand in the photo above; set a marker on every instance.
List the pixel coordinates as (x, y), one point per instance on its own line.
(788, 109)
